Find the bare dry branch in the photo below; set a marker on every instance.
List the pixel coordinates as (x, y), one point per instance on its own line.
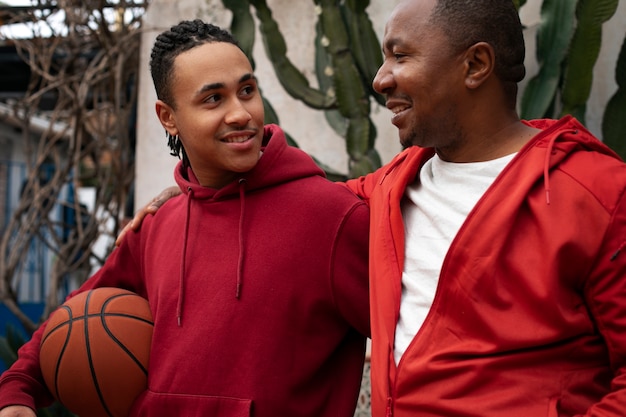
(89, 74)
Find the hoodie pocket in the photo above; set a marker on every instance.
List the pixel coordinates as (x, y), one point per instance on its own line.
(154, 404)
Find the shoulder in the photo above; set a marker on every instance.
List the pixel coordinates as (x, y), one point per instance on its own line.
(328, 192)
(321, 198)
(584, 159)
(602, 175)
(167, 212)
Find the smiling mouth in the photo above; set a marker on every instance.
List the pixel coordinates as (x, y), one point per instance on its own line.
(398, 109)
(237, 139)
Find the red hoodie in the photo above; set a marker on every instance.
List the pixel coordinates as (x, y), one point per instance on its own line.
(529, 317)
(258, 292)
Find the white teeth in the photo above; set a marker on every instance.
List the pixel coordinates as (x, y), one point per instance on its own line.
(237, 139)
(397, 110)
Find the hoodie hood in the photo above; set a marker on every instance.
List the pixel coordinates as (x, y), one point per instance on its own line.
(278, 163)
(569, 133)
(561, 138)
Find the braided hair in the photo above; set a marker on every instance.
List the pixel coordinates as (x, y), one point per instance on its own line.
(168, 45)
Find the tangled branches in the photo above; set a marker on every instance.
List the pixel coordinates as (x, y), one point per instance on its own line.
(83, 81)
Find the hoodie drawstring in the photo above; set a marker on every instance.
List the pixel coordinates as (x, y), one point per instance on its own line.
(242, 196)
(181, 278)
(546, 166)
(546, 181)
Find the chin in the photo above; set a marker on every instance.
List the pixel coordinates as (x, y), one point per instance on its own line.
(407, 141)
(246, 166)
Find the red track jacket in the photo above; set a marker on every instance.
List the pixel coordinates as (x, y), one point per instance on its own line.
(529, 318)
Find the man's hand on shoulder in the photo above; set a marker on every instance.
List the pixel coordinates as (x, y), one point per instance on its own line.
(149, 208)
(17, 411)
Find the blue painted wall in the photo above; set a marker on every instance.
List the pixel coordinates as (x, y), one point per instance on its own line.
(33, 310)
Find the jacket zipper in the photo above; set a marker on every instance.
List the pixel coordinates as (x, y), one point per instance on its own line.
(389, 412)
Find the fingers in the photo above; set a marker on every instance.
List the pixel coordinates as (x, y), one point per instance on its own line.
(120, 237)
(17, 411)
(165, 195)
(135, 222)
(151, 208)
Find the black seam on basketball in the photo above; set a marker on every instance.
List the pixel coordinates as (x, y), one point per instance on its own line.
(115, 339)
(89, 316)
(90, 359)
(58, 326)
(58, 364)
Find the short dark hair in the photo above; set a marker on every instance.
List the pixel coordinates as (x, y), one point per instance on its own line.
(496, 22)
(180, 38)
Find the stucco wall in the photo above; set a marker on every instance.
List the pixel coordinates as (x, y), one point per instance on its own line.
(308, 127)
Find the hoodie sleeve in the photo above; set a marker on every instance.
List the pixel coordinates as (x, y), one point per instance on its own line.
(350, 268)
(605, 292)
(22, 383)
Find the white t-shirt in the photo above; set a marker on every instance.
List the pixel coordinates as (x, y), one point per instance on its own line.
(434, 208)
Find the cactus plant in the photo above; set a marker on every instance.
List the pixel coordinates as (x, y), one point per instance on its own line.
(614, 122)
(346, 65)
(583, 54)
(351, 82)
(553, 38)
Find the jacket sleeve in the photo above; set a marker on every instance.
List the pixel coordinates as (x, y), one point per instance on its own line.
(23, 383)
(350, 268)
(364, 185)
(605, 292)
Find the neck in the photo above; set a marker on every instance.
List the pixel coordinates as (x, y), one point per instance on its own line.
(493, 144)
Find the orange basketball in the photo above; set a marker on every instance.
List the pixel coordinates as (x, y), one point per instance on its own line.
(94, 352)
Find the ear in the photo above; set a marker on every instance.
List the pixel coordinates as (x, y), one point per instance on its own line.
(480, 60)
(166, 116)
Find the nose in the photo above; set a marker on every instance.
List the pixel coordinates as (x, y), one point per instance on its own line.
(383, 81)
(237, 114)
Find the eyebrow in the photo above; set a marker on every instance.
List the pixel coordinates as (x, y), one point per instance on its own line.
(216, 86)
(390, 43)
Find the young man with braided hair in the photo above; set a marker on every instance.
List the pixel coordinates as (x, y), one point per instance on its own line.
(256, 275)
(497, 255)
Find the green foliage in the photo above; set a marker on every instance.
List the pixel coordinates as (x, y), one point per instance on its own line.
(351, 75)
(583, 54)
(9, 345)
(292, 80)
(553, 38)
(614, 122)
(568, 44)
(55, 410)
(242, 25)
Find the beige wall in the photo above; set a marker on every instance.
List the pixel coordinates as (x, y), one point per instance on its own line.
(308, 127)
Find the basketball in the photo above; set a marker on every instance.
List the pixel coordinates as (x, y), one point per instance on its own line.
(94, 352)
